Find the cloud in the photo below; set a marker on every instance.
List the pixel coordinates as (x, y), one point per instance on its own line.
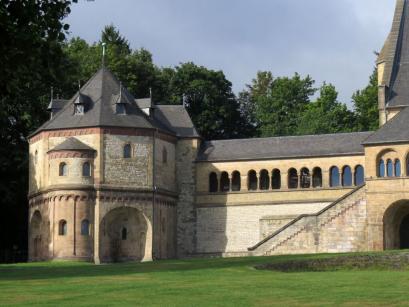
(332, 41)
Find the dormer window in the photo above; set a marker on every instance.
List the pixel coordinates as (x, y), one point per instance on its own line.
(120, 109)
(79, 109)
(120, 105)
(79, 104)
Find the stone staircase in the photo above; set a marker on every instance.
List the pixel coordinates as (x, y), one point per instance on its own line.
(339, 227)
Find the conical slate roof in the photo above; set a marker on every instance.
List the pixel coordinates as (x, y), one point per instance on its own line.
(394, 131)
(100, 95)
(72, 144)
(395, 55)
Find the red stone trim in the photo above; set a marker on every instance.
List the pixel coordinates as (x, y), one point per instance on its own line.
(108, 130)
(70, 154)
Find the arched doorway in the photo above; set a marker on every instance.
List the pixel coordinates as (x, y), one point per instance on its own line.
(404, 233)
(36, 237)
(396, 226)
(124, 233)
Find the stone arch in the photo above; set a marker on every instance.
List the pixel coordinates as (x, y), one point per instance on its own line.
(396, 225)
(36, 240)
(135, 246)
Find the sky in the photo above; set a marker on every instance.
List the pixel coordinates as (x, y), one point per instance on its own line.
(332, 41)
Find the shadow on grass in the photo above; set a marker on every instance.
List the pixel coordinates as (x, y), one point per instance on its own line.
(68, 269)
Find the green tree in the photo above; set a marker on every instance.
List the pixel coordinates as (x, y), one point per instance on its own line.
(209, 99)
(31, 59)
(366, 105)
(326, 114)
(279, 109)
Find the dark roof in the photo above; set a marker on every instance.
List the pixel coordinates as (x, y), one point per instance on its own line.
(72, 144)
(284, 147)
(395, 55)
(143, 103)
(100, 93)
(56, 104)
(394, 131)
(176, 119)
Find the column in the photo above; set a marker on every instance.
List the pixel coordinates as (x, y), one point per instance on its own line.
(96, 228)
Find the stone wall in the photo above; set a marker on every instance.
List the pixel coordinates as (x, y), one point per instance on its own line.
(232, 229)
(133, 172)
(165, 173)
(186, 152)
(342, 227)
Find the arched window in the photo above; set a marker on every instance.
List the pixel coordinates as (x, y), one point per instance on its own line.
(236, 182)
(36, 157)
(381, 168)
(62, 228)
(276, 179)
(124, 233)
(164, 156)
(389, 168)
(346, 176)
(85, 228)
(127, 151)
(317, 178)
(334, 177)
(305, 179)
(252, 180)
(224, 182)
(86, 169)
(213, 182)
(63, 169)
(264, 180)
(292, 179)
(359, 175)
(398, 168)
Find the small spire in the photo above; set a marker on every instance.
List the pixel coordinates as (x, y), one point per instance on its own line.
(103, 54)
(150, 93)
(52, 93)
(120, 92)
(79, 86)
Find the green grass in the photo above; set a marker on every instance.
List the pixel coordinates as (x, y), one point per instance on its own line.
(197, 282)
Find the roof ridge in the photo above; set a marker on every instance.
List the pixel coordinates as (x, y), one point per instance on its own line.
(293, 136)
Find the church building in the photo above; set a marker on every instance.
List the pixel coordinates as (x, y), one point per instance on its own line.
(114, 178)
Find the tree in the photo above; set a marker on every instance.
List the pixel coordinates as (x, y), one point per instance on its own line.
(326, 114)
(30, 62)
(209, 99)
(278, 110)
(366, 105)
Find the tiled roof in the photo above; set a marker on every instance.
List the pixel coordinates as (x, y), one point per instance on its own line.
(284, 147)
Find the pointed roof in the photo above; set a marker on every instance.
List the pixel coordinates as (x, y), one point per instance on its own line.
(395, 55)
(100, 94)
(72, 144)
(394, 131)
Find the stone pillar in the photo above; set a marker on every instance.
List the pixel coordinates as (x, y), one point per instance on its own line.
(284, 181)
(243, 183)
(149, 240)
(97, 259)
(325, 179)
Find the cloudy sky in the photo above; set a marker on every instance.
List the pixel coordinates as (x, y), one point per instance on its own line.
(332, 41)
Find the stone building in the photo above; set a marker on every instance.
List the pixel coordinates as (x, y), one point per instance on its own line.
(114, 178)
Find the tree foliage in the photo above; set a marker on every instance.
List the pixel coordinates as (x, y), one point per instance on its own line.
(30, 62)
(366, 105)
(326, 114)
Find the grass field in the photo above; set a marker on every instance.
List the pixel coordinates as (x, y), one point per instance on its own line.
(198, 282)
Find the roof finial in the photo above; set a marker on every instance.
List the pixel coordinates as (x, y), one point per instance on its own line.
(52, 93)
(150, 93)
(79, 86)
(103, 54)
(120, 92)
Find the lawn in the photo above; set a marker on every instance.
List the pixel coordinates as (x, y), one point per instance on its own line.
(198, 282)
